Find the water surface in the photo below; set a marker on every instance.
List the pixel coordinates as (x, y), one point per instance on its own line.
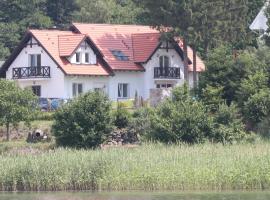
(137, 196)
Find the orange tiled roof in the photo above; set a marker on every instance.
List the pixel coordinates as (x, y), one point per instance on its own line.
(49, 39)
(136, 42)
(69, 43)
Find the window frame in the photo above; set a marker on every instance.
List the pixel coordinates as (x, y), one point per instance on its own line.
(77, 89)
(79, 57)
(36, 89)
(34, 60)
(88, 57)
(121, 92)
(162, 61)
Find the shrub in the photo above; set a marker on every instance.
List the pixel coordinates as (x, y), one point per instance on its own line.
(140, 121)
(84, 122)
(121, 117)
(180, 120)
(263, 128)
(257, 107)
(228, 126)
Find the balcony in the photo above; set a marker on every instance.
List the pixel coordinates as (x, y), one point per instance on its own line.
(31, 72)
(167, 73)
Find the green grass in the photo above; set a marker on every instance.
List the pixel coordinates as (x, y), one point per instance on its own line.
(149, 167)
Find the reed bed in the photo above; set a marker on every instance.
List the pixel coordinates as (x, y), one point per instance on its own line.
(148, 167)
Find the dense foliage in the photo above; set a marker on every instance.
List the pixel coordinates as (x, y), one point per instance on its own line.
(83, 123)
(183, 119)
(16, 104)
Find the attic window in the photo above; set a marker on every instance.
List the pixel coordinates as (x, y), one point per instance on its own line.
(119, 55)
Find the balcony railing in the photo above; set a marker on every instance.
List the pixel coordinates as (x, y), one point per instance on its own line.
(167, 73)
(31, 72)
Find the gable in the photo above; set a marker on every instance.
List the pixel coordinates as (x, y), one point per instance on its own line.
(69, 43)
(49, 41)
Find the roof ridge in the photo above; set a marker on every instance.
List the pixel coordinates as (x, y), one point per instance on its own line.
(106, 24)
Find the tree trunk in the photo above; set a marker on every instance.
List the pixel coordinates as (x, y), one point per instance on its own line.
(8, 131)
(185, 61)
(194, 67)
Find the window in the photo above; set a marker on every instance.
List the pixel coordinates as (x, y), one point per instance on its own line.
(36, 90)
(164, 62)
(34, 60)
(86, 57)
(119, 55)
(123, 90)
(164, 85)
(77, 89)
(78, 57)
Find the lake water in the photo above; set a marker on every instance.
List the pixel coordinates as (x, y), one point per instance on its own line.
(137, 196)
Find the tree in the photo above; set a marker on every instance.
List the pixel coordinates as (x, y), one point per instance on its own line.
(83, 123)
(61, 11)
(16, 105)
(110, 11)
(227, 71)
(16, 16)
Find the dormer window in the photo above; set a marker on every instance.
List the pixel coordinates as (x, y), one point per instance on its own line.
(78, 57)
(119, 55)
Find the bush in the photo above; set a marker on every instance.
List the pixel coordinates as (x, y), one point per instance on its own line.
(228, 126)
(257, 107)
(84, 122)
(263, 128)
(180, 120)
(121, 117)
(140, 121)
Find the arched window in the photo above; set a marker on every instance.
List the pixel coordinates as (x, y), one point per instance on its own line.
(164, 62)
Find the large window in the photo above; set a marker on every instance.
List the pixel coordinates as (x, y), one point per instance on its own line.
(35, 60)
(77, 89)
(123, 90)
(164, 62)
(36, 90)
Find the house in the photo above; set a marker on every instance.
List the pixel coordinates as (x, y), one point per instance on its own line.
(260, 22)
(1, 63)
(120, 60)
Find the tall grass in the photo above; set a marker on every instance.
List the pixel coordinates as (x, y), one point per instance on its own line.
(149, 167)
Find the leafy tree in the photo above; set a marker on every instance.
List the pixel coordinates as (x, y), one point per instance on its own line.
(212, 97)
(227, 71)
(110, 11)
(16, 105)
(16, 16)
(250, 86)
(61, 11)
(83, 123)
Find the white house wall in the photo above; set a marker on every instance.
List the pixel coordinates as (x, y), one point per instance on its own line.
(135, 80)
(50, 87)
(149, 81)
(89, 83)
